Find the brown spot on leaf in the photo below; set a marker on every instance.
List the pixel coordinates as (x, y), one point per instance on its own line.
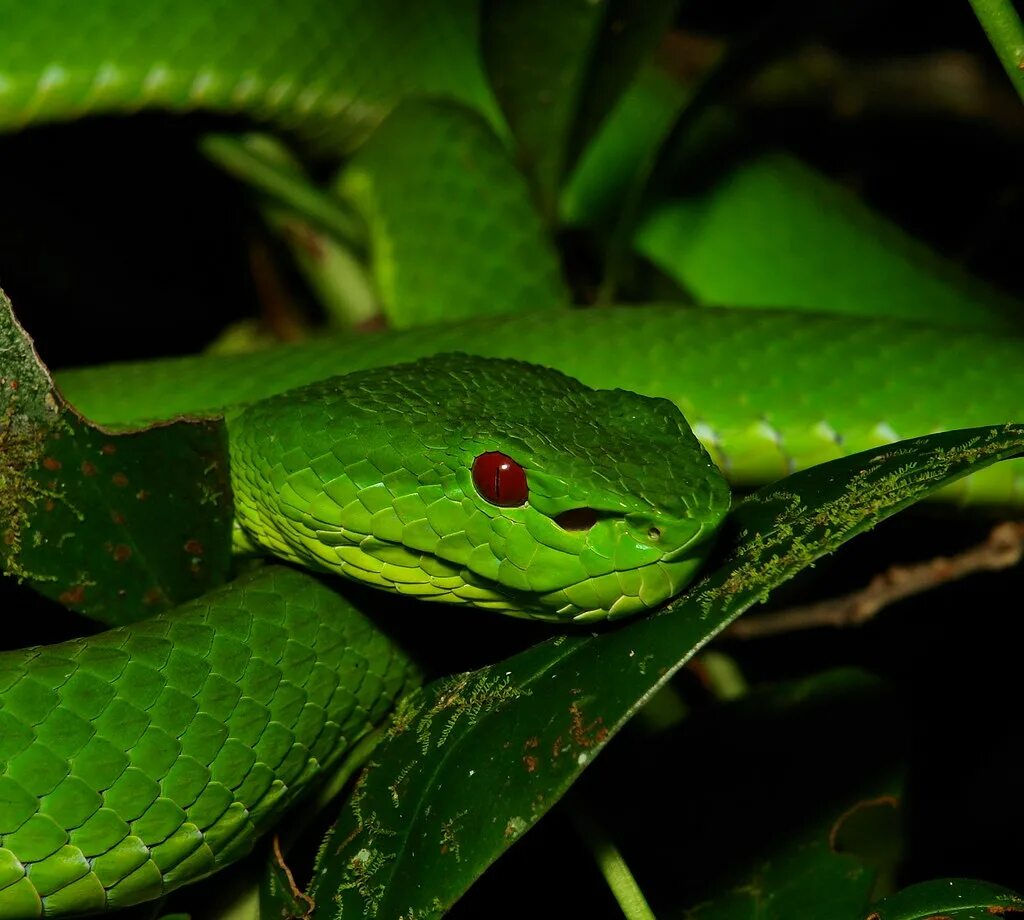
(153, 596)
(122, 552)
(108, 449)
(530, 762)
(119, 480)
(74, 595)
(117, 517)
(531, 743)
(49, 504)
(194, 547)
(13, 384)
(142, 495)
(583, 735)
(52, 464)
(89, 469)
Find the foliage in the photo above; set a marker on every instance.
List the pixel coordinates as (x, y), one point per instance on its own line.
(794, 778)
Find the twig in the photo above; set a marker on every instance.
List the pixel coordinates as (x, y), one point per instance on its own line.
(1003, 548)
(950, 83)
(954, 83)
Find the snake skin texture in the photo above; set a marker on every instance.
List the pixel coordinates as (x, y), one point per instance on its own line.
(146, 757)
(766, 393)
(370, 475)
(313, 66)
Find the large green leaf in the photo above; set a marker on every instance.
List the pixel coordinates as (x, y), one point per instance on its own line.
(765, 230)
(770, 232)
(779, 817)
(557, 69)
(115, 525)
(948, 899)
(473, 761)
(614, 162)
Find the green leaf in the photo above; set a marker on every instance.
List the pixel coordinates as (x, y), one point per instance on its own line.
(453, 230)
(792, 821)
(326, 241)
(266, 165)
(765, 231)
(557, 69)
(770, 232)
(473, 761)
(115, 525)
(614, 162)
(948, 899)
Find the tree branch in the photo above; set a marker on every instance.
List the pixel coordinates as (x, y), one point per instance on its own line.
(1003, 548)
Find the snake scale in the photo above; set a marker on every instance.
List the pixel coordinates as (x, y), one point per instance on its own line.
(149, 756)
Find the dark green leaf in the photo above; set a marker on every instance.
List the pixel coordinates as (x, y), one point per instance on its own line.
(767, 231)
(949, 899)
(279, 895)
(115, 525)
(781, 816)
(557, 69)
(474, 760)
(614, 161)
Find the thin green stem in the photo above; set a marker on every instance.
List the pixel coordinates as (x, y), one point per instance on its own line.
(613, 867)
(257, 160)
(1005, 31)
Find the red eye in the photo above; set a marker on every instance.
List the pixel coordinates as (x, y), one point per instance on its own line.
(500, 480)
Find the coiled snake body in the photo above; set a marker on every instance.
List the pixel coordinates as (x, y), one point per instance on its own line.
(148, 756)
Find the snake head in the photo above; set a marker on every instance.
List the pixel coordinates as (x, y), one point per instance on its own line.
(488, 482)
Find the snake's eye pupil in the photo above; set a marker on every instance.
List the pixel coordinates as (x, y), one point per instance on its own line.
(500, 480)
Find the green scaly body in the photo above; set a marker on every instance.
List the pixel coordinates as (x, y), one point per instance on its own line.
(147, 757)
(144, 758)
(765, 392)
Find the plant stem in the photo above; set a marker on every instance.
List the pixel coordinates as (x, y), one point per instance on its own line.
(613, 867)
(1005, 31)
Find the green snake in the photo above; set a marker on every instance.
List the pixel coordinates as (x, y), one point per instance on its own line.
(428, 463)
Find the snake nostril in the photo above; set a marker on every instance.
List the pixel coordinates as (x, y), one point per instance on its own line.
(576, 519)
(654, 534)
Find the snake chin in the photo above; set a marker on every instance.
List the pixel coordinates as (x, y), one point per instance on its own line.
(407, 572)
